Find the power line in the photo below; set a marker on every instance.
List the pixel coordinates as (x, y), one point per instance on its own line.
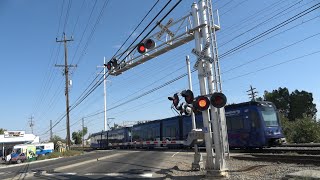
(67, 15)
(263, 22)
(278, 64)
(85, 29)
(135, 28)
(297, 16)
(277, 50)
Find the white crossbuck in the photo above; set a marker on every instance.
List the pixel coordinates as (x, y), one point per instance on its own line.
(165, 29)
(201, 55)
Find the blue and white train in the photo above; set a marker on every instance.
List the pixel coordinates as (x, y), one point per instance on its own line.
(250, 125)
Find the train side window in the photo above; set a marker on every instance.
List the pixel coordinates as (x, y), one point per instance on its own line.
(254, 119)
(235, 123)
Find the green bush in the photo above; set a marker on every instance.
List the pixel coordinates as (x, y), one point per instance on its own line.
(304, 130)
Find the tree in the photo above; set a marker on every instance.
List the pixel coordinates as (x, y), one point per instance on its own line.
(77, 136)
(301, 104)
(280, 98)
(304, 130)
(2, 130)
(295, 105)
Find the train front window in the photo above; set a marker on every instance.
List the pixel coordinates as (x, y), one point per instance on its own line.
(269, 116)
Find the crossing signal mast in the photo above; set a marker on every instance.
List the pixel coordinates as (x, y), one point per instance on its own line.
(199, 26)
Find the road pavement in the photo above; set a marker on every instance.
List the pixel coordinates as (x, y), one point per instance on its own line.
(112, 164)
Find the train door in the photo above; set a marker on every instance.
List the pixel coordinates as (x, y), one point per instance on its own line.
(238, 132)
(256, 137)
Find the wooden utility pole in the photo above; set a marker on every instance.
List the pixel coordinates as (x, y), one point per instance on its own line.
(82, 132)
(66, 74)
(31, 123)
(50, 130)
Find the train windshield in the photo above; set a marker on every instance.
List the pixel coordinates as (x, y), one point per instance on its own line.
(269, 116)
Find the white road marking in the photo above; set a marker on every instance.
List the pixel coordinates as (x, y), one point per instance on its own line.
(86, 162)
(60, 174)
(175, 154)
(24, 175)
(126, 175)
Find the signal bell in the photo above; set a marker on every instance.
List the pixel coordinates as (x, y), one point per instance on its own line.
(174, 99)
(218, 100)
(188, 96)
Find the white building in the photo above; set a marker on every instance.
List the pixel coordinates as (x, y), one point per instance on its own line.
(11, 138)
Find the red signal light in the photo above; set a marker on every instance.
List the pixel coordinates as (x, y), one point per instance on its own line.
(149, 43)
(218, 100)
(201, 103)
(109, 66)
(141, 48)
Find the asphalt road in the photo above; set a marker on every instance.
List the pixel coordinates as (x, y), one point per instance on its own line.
(108, 165)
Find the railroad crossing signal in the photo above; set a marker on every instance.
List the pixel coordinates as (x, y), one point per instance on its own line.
(201, 103)
(201, 55)
(112, 64)
(218, 100)
(165, 29)
(144, 46)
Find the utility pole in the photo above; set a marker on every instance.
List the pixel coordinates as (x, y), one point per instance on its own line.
(31, 123)
(105, 94)
(82, 132)
(66, 74)
(252, 93)
(50, 130)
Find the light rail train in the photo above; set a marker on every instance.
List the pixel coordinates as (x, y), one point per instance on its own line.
(249, 125)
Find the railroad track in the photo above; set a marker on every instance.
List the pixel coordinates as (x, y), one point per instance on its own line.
(307, 150)
(280, 158)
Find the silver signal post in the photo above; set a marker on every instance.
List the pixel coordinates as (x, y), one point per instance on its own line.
(203, 91)
(218, 116)
(198, 25)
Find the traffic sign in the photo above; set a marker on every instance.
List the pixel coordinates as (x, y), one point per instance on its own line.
(201, 55)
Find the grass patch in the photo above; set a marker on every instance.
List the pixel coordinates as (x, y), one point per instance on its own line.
(71, 153)
(60, 154)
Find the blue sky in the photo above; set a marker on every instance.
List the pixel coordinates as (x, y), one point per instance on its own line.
(32, 86)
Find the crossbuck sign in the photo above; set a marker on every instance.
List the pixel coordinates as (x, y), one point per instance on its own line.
(201, 55)
(165, 29)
